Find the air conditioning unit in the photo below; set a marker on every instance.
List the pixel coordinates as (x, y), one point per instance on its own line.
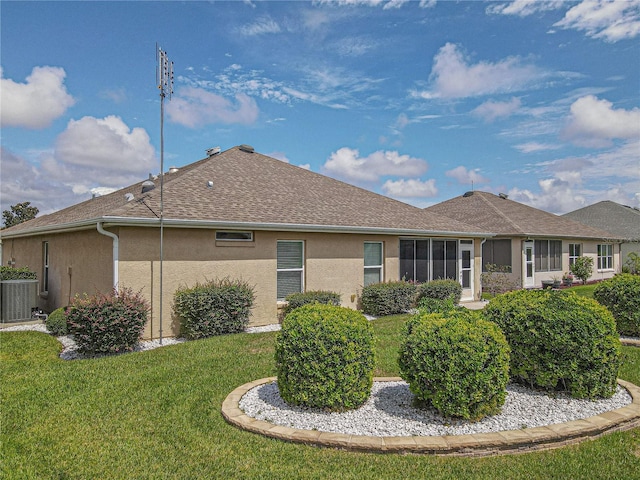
(17, 299)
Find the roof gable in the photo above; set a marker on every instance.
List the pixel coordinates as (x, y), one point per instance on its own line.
(498, 214)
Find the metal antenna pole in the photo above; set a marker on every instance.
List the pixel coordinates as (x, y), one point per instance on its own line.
(165, 85)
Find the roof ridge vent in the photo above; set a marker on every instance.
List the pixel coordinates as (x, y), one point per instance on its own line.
(468, 194)
(246, 148)
(504, 196)
(213, 151)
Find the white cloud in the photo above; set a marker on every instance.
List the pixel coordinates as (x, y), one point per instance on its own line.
(280, 156)
(556, 196)
(594, 122)
(412, 188)
(490, 110)
(386, 4)
(262, 26)
(195, 107)
(610, 20)
(94, 152)
(466, 177)
(36, 103)
(346, 163)
(394, 4)
(452, 76)
(105, 143)
(523, 8)
(531, 147)
(92, 156)
(574, 182)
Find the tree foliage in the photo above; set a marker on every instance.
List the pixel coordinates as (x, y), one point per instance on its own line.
(582, 268)
(19, 213)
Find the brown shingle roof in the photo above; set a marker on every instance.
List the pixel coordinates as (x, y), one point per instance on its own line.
(253, 189)
(505, 217)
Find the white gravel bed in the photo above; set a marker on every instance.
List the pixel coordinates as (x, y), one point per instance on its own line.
(70, 348)
(389, 412)
(274, 327)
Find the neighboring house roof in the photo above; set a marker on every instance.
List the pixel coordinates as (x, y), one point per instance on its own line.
(504, 217)
(620, 220)
(241, 189)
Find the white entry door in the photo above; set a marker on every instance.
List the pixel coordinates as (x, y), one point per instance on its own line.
(529, 265)
(466, 269)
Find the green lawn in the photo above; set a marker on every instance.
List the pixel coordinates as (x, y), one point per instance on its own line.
(156, 414)
(583, 290)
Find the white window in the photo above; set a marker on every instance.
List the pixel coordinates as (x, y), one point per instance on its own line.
(290, 267)
(575, 251)
(234, 236)
(605, 257)
(45, 267)
(373, 254)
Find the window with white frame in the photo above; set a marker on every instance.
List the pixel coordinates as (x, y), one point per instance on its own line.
(373, 259)
(290, 267)
(605, 257)
(575, 251)
(45, 267)
(548, 255)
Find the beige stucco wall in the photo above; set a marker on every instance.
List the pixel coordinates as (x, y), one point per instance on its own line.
(79, 262)
(589, 248)
(332, 262)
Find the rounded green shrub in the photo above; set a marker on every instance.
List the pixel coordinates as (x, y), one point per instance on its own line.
(457, 363)
(57, 322)
(296, 300)
(621, 295)
(388, 298)
(217, 307)
(325, 357)
(559, 341)
(445, 289)
(110, 323)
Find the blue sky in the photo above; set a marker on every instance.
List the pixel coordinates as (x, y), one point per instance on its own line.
(417, 100)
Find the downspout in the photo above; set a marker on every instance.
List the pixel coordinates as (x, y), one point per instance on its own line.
(115, 252)
(481, 266)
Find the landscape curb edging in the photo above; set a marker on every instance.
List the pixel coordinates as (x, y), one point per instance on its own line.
(472, 445)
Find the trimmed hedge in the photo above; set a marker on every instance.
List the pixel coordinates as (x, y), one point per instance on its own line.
(621, 295)
(110, 323)
(296, 300)
(10, 273)
(456, 362)
(440, 289)
(388, 298)
(325, 357)
(437, 305)
(217, 307)
(559, 341)
(57, 322)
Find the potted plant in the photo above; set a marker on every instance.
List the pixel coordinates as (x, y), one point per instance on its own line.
(547, 284)
(556, 282)
(567, 279)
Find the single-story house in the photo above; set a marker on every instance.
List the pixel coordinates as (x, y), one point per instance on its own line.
(622, 221)
(536, 245)
(242, 215)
